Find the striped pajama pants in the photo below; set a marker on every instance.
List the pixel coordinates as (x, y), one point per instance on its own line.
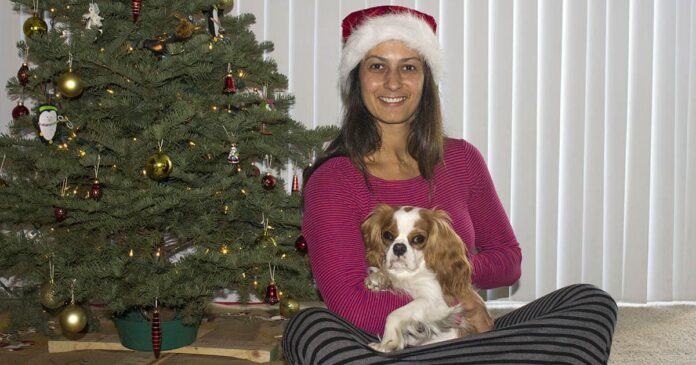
(572, 325)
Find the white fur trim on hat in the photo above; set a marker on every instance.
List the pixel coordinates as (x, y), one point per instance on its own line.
(410, 29)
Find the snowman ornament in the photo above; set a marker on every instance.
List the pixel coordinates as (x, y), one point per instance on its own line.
(48, 122)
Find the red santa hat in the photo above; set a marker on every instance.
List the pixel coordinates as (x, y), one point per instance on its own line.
(364, 29)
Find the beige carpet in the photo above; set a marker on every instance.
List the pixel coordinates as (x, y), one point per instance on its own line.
(650, 334)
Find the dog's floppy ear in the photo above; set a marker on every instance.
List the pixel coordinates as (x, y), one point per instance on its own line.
(371, 228)
(446, 255)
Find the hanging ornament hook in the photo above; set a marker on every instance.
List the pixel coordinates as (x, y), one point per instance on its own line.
(70, 60)
(272, 271)
(160, 144)
(3, 162)
(96, 166)
(64, 188)
(72, 291)
(51, 269)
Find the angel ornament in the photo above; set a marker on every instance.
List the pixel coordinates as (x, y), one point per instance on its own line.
(92, 17)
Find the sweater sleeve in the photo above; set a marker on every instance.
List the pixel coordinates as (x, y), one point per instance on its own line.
(332, 216)
(497, 261)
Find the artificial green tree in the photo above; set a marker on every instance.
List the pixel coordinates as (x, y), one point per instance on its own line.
(94, 205)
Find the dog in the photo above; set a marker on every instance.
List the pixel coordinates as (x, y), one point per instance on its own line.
(416, 251)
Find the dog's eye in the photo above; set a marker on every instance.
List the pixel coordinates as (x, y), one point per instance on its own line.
(388, 236)
(418, 239)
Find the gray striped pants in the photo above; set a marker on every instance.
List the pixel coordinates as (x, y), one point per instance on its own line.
(572, 325)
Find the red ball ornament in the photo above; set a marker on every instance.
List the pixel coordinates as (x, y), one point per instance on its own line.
(60, 213)
(271, 294)
(269, 181)
(19, 111)
(301, 245)
(96, 191)
(23, 74)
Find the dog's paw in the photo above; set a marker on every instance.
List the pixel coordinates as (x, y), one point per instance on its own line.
(382, 347)
(377, 281)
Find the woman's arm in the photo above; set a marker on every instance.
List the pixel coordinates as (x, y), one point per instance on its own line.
(498, 259)
(333, 213)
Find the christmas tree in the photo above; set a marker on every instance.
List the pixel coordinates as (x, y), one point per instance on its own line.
(144, 162)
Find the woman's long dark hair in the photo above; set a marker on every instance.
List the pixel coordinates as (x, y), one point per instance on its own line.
(359, 133)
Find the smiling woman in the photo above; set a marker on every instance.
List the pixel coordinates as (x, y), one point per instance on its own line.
(391, 150)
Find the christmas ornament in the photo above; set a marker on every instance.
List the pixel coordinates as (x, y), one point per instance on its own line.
(156, 331)
(92, 17)
(34, 25)
(271, 290)
(156, 46)
(301, 245)
(230, 87)
(159, 165)
(295, 184)
(226, 4)
(233, 156)
(48, 297)
(213, 17)
(73, 319)
(184, 30)
(269, 181)
(48, 121)
(19, 111)
(135, 9)
(266, 239)
(23, 74)
(60, 213)
(96, 191)
(289, 307)
(69, 84)
(264, 130)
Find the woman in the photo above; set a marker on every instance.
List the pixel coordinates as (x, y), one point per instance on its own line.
(391, 149)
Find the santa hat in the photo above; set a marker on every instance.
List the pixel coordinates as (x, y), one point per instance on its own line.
(364, 29)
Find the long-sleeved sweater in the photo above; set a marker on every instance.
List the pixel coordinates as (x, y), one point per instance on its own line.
(337, 200)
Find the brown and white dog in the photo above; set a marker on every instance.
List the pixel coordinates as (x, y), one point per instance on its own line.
(416, 251)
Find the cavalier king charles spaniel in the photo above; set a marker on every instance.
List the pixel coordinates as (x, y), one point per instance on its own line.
(416, 251)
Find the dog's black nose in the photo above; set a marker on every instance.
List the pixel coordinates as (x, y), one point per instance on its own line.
(399, 249)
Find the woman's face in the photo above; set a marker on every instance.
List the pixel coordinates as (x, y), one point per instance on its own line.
(391, 79)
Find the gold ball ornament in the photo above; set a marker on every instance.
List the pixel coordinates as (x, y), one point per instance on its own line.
(48, 297)
(289, 307)
(73, 319)
(158, 166)
(226, 4)
(266, 239)
(34, 25)
(70, 85)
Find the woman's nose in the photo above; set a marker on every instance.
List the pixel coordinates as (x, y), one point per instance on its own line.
(392, 79)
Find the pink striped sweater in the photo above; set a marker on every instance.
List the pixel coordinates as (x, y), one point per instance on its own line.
(337, 201)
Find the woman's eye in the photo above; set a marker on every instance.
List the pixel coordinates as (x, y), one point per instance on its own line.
(409, 68)
(376, 66)
(418, 239)
(388, 236)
